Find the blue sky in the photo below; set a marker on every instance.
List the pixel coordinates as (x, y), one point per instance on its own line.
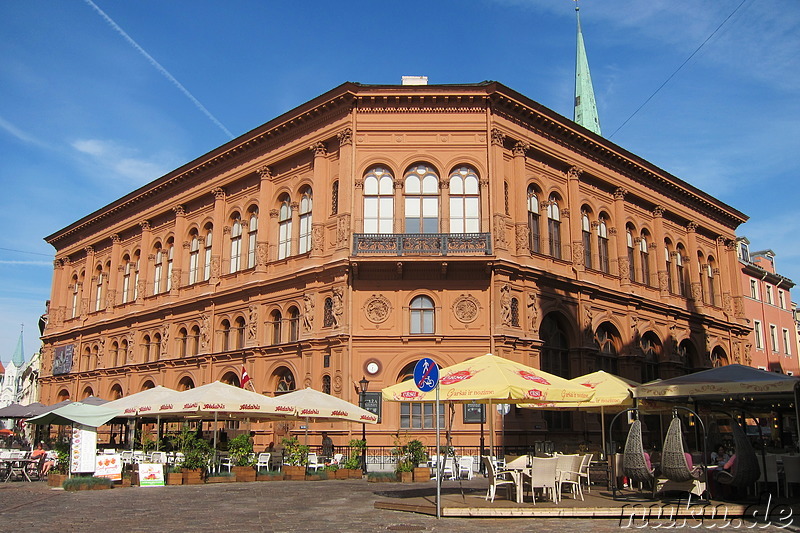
(100, 97)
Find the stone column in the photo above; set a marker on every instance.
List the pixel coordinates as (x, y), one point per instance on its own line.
(321, 198)
(179, 250)
(265, 192)
(350, 202)
(623, 267)
(657, 253)
(519, 200)
(57, 294)
(218, 240)
(88, 283)
(497, 226)
(695, 283)
(576, 229)
(145, 261)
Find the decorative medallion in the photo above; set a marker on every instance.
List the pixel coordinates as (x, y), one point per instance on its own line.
(465, 308)
(377, 309)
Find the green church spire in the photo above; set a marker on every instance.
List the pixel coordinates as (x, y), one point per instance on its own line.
(585, 105)
(18, 359)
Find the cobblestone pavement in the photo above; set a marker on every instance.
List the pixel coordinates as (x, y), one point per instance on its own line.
(329, 507)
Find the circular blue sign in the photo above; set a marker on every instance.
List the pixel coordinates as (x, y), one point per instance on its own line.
(426, 374)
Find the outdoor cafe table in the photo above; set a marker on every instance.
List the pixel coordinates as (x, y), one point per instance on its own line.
(18, 467)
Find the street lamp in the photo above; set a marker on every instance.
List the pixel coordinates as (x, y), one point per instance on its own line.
(363, 386)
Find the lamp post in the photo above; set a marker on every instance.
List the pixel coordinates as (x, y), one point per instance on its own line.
(363, 386)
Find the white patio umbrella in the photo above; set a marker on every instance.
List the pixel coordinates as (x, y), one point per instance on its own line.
(310, 403)
(141, 402)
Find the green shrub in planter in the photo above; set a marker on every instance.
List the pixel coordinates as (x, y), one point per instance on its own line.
(87, 483)
(241, 449)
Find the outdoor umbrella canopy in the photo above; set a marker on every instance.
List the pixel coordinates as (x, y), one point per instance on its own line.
(94, 400)
(610, 392)
(310, 403)
(492, 379)
(142, 402)
(16, 410)
(76, 412)
(215, 398)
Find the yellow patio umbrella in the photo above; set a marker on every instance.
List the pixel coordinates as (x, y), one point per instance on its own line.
(492, 379)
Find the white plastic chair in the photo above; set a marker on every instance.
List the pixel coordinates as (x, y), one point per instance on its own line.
(569, 467)
(584, 471)
(225, 462)
(499, 478)
(465, 466)
(337, 458)
(126, 457)
(263, 461)
(313, 462)
(158, 457)
(447, 469)
(544, 475)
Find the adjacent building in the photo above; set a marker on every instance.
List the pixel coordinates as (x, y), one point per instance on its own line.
(377, 224)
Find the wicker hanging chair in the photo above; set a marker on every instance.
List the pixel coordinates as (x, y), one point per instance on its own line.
(673, 459)
(634, 465)
(745, 470)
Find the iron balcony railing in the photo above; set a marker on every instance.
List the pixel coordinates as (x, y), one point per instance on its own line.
(422, 244)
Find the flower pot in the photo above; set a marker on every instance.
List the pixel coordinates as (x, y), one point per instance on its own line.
(422, 474)
(244, 473)
(405, 477)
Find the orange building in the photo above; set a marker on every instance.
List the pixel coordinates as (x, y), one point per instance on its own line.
(375, 225)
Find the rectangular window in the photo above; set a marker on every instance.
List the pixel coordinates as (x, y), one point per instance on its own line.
(786, 345)
(781, 299)
(754, 289)
(773, 337)
(759, 333)
(769, 295)
(420, 416)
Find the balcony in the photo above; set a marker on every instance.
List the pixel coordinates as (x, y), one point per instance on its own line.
(432, 244)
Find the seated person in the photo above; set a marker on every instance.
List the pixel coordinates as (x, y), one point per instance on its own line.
(695, 470)
(720, 456)
(45, 463)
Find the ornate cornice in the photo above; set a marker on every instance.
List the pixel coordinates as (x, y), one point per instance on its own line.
(345, 136)
(219, 193)
(319, 149)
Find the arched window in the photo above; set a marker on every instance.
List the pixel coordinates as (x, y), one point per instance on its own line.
(126, 279)
(422, 200)
(231, 379)
(701, 268)
(327, 318)
(418, 415)
(93, 359)
(194, 339)
(194, 259)
(644, 259)
(326, 384)
(252, 238)
(586, 232)
(294, 324)
(123, 353)
(158, 267)
(422, 316)
(183, 339)
(284, 381)
(226, 335)
(554, 226)
(276, 319)
(236, 244)
(465, 201)
(606, 340)
(136, 256)
(170, 257)
(680, 275)
(305, 222)
(651, 352)
(185, 384)
(554, 358)
(98, 296)
(87, 392)
(114, 354)
(116, 392)
(712, 297)
(515, 312)
(687, 355)
(207, 258)
(602, 244)
(146, 349)
(630, 243)
(156, 347)
(75, 290)
(239, 327)
(378, 201)
(284, 229)
(533, 221)
(335, 198)
(668, 267)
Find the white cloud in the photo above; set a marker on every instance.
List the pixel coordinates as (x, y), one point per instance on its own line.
(18, 133)
(123, 161)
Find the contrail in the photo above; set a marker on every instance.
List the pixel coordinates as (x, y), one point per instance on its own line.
(161, 69)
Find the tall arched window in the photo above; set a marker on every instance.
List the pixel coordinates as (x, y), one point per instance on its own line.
(98, 295)
(422, 200)
(170, 257)
(602, 244)
(207, 257)
(195, 341)
(378, 201)
(158, 270)
(284, 381)
(465, 201)
(644, 259)
(534, 233)
(515, 312)
(294, 324)
(236, 244)
(554, 226)
(114, 354)
(554, 358)
(146, 349)
(422, 315)
(335, 198)
(156, 351)
(712, 297)
(75, 299)
(226, 335)
(605, 337)
(668, 266)
(239, 326)
(126, 279)
(252, 238)
(276, 319)
(630, 243)
(123, 353)
(194, 259)
(326, 384)
(586, 232)
(327, 316)
(284, 229)
(183, 339)
(136, 257)
(305, 222)
(680, 275)
(651, 350)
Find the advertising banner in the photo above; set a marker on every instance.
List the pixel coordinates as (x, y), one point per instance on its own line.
(84, 449)
(109, 466)
(151, 475)
(62, 359)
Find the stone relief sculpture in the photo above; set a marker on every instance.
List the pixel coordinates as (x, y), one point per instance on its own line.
(505, 305)
(165, 340)
(308, 312)
(204, 331)
(338, 306)
(377, 309)
(588, 331)
(533, 310)
(252, 322)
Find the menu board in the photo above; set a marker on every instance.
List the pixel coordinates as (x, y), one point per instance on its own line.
(84, 449)
(108, 465)
(151, 475)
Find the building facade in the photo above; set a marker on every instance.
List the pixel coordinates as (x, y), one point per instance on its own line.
(769, 310)
(375, 225)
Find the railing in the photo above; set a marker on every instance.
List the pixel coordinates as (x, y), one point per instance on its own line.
(422, 244)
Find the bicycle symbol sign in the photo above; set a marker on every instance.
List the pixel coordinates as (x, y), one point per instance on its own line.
(426, 374)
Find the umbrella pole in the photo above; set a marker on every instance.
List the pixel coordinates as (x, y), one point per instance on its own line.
(439, 463)
(603, 430)
(491, 430)
(158, 432)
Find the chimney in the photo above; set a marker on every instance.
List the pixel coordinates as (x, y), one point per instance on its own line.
(415, 80)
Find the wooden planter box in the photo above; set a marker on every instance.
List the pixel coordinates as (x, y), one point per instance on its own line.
(341, 474)
(422, 474)
(192, 476)
(270, 477)
(173, 478)
(126, 481)
(55, 480)
(405, 477)
(221, 479)
(313, 477)
(294, 473)
(352, 473)
(244, 473)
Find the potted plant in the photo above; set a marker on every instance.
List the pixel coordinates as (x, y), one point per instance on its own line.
(418, 457)
(60, 470)
(222, 477)
(196, 454)
(353, 463)
(409, 456)
(295, 456)
(240, 450)
(88, 483)
(269, 475)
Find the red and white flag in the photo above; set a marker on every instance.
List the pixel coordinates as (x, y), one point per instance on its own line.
(245, 377)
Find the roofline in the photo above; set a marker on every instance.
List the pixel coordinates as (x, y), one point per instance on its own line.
(349, 92)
